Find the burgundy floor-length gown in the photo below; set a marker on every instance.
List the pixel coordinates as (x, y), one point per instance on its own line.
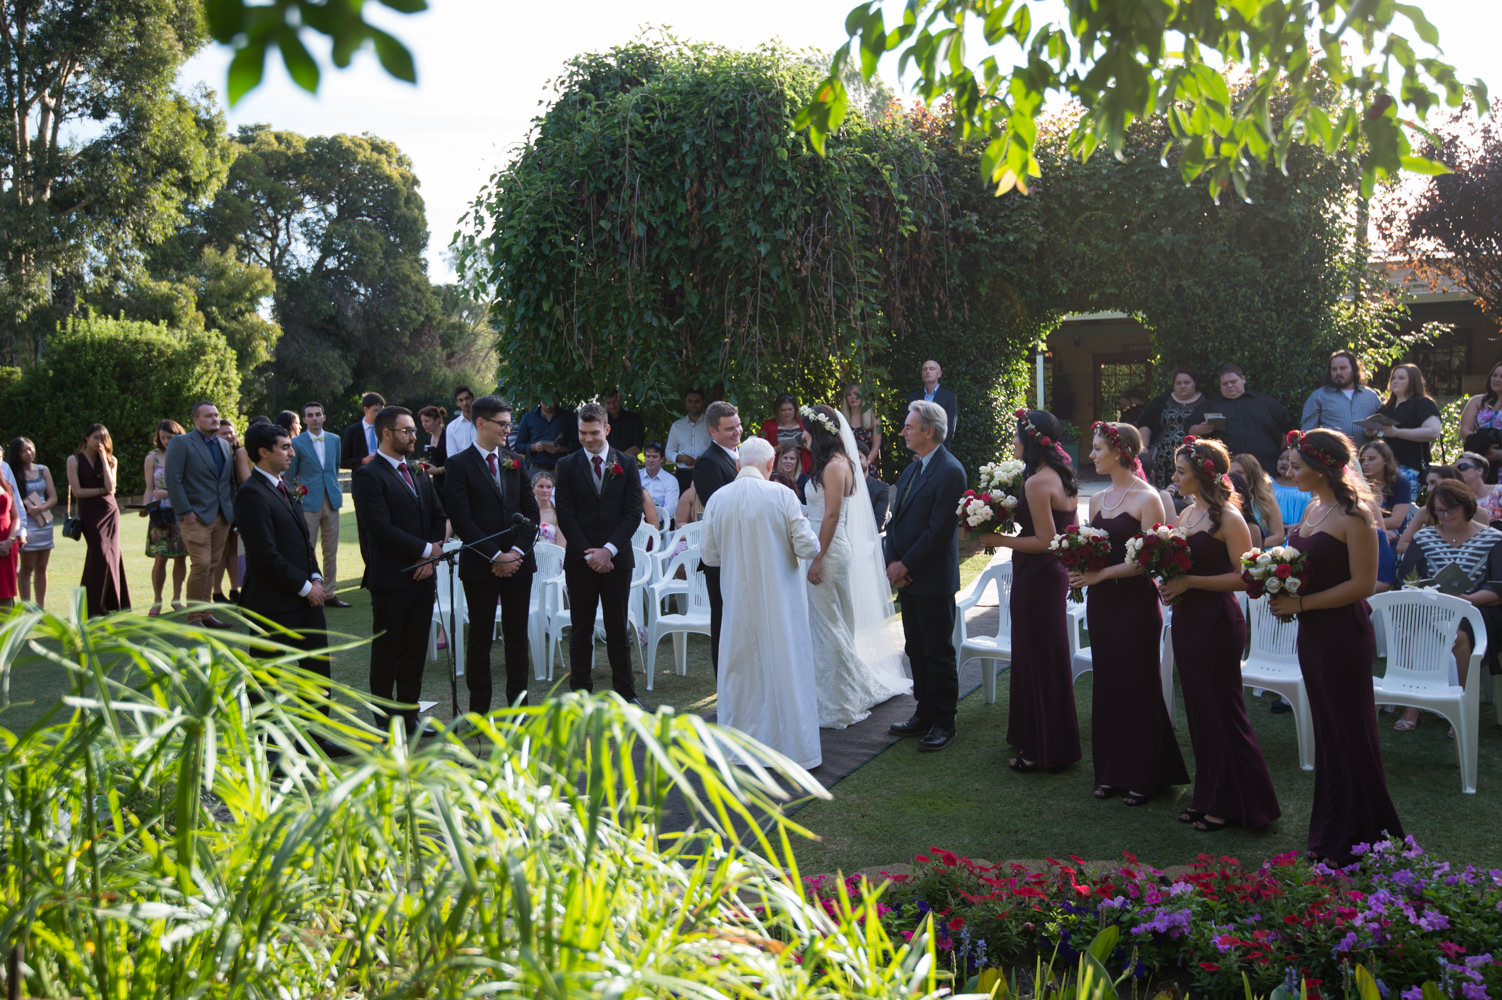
(1041, 721)
(1209, 633)
(1132, 736)
(103, 580)
(1336, 653)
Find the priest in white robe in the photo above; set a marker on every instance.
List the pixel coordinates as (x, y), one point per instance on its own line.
(755, 531)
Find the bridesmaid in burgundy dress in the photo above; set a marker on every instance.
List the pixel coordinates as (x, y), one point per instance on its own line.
(1337, 648)
(1041, 721)
(1134, 745)
(1231, 783)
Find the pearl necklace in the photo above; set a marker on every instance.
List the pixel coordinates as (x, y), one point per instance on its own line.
(1314, 526)
(1106, 506)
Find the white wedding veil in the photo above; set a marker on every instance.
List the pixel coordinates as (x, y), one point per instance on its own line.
(876, 643)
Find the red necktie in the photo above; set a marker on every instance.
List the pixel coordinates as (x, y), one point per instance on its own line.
(599, 468)
(407, 475)
(282, 488)
(490, 461)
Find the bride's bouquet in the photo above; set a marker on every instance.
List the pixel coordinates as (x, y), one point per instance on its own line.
(1161, 552)
(1081, 550)
(993, 503)
(1278, 570)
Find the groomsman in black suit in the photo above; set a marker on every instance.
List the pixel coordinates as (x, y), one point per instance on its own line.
(484, 487)
(361, 440)
(923, 563)
(933, 392)
(401, 522)
(282, 581)
(715, 468)
(598, 499)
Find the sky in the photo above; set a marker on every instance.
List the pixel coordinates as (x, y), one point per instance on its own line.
(484, 69)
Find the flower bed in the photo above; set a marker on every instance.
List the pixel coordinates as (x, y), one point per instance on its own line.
(1406, 917)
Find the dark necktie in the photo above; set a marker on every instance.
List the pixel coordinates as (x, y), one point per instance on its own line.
(490, 461)
(911, 484)
(216, 450)
(281, 488)
(495, 475)
(599, 470)
(407, 475)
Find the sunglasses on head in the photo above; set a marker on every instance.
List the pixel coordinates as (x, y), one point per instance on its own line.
(1466, 466)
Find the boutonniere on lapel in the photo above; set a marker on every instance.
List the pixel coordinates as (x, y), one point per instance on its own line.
(299, 493)
(612, 470)
(511, 463)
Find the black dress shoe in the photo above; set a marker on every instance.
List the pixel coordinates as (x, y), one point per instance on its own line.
(219, 597)
(1281, 707)
(334, 602)
(916, 726)
(937, 738)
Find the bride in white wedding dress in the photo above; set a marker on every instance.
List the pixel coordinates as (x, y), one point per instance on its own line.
(857, 661)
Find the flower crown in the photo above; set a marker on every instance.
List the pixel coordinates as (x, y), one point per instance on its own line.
(1031, 430)
(809, 413)
(1113, 437)
(1204, 460)
(1300, 440)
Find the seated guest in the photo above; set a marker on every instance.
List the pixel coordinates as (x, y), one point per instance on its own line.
(1433, 476)
(786, 425)
(1291, 500)
(787, 470)
(689, 508)
(1484, 410)
(1255, 421)
(1244, 504)
(1390, 489)
(1488, 442)
(649, 511)
(547, 520)
(1453, 536)
(1473, 468)
(627, 432)
(547, 434)
(660, 485)
(687, 438)
(1261, 506)
(880, 494)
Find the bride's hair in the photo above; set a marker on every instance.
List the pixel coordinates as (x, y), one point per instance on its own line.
(826, 442)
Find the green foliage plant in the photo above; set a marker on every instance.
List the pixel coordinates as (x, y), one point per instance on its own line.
(174, 830)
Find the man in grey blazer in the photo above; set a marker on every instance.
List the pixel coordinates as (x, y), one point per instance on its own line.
(200, 483)
(315, 470)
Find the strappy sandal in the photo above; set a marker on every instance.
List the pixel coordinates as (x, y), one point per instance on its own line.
(1191, 816)
(1135, 798)
(1204, 825)
(1105, 791)
(1406, 725)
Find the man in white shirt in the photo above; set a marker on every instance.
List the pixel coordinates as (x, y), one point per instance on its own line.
(460, 433)
(661, 487)
(688, 437)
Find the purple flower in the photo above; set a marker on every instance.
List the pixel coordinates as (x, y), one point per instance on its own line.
(1413, 993)
(1432, 921)
(1474, 991)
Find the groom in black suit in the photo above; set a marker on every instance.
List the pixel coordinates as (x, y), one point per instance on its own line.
(716, 467)
(598, 500)
(923, 563)
(484, 487)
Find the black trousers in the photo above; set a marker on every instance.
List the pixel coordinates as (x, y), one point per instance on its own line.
(587, 591)
(400, 619)
(312, 638)
(514, 593)
(716, 611)
(928, 628)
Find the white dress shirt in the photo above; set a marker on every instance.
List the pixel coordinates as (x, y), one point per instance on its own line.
(687, 437)
(459, 435)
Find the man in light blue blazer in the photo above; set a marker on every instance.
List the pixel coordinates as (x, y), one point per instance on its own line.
(315, 469)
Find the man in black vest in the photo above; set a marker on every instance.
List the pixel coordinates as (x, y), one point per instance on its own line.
(717, 466)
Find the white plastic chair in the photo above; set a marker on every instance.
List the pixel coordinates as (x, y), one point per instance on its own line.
(547, 588)
(646, 536)
(1272, 664)
(994, 651)
(693, 620)
(1421, 627)
(441, 613)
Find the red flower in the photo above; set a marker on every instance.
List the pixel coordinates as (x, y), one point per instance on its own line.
(1019, 414)
(1283, 571)
(1189, 439)
(302, 490)
(957, 924)
(1209, 967)
(1046, 441)
(616, 470)
(512, 463)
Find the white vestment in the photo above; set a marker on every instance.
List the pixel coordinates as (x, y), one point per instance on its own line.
(755, 531)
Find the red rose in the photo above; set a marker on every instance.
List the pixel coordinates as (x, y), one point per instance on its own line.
(1189, 439)
(985, 498)
(616, 470)
(1283, 571)
(1019, 414)
(1046, 441)
(302, 491)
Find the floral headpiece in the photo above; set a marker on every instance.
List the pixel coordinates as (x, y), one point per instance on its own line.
(1031, 430)
(1300, 440)
(1205, 461)
(1112, 435)
(809, 413)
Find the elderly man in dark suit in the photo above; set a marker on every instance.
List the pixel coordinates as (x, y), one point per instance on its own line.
(923, 563)
(933, 392)
(361, 439)
(200, 469)
(716, 467)
(400, 520)
(599, 503)
(485, 486)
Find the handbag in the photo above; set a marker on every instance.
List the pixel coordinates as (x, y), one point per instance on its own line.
(72, 526)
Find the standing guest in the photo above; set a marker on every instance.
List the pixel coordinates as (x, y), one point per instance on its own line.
(546, 435)
(460, 433)
(1483, 410)
(1342, 402)
(687, 438)
(11, 519)
(288, 421)
(38, 498)
(401, 522)
(164, 540)
(716, 466)
(661, 485)
(1291, 499)
(1263, 500)
(1390, 491)
(787, 467)
(599, 507)
(1255, 422)
(282, 580)
(543, 487)
(1416, 422)
(1136, 753)
(929, 373)
(200, 474)
(1165, 421)
(922, 553)
(315, 471)
(1041, 721)
(360, 441)
(91, 476)
(433, 451)
(863, 424)
(787, 426)
(1231, 783)
(485, 487)
(1337, 648)
(241, 472)
(756, 534)
(627, 432)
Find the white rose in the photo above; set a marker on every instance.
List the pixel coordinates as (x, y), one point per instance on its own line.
(1292, 585)
(1274, 585)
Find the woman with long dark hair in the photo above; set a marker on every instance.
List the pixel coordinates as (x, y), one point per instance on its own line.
(1484, 409)
(1416, 422)
(1231, 783)
(91, 477)
(1041, 721)
(1135, 751)
(1337, 647)
(434, 453)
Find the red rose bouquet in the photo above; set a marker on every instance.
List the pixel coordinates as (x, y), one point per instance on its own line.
(1161, 553)
(1278, 570)
(1081, 550)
